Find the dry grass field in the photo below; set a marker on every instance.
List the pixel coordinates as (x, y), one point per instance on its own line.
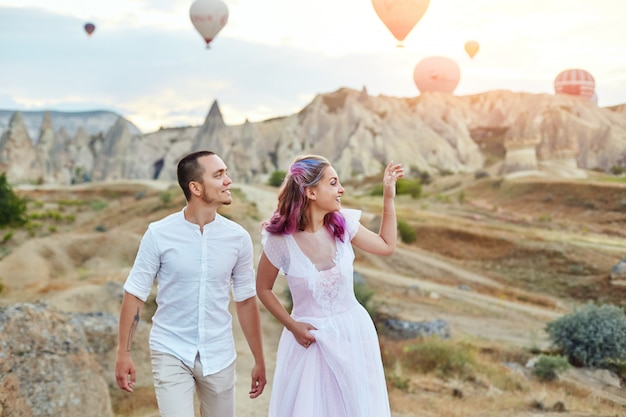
(496, 259)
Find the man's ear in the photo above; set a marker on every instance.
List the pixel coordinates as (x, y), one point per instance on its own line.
(195, 188)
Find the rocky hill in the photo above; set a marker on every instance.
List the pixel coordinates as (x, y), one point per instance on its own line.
(434, 133)
(93, 122)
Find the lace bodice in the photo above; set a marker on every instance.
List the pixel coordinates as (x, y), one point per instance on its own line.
(316, 293)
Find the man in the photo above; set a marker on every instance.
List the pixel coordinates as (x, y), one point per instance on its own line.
(197, 257)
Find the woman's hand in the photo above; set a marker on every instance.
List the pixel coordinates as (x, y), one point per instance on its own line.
(392, 174)
(301, 331)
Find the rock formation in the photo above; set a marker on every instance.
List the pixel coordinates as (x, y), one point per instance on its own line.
(48, 366)
(18, 158)
(432, 133)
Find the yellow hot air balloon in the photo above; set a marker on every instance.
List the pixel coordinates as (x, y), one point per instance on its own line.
(471, 47)
(400, 16)
(208, 17)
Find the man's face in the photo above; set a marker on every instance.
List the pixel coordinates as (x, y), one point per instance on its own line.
(215, 183)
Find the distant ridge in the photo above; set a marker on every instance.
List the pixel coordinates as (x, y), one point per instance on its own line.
(93, 122)
(507, 133)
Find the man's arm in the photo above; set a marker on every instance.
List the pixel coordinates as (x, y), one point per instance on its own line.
(250, 322)
(129, 320)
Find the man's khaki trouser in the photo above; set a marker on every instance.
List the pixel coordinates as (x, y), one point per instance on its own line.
(175, 383)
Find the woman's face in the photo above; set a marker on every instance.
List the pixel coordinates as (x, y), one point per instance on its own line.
(326, 195)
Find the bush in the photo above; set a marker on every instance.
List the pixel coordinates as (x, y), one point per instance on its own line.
(592, 336)
(441, 357)
(410, 187)
(547, 367)
(403, 186)
(276, 179)
(7, 236)
(12, 207)
(165, 198)
(364, 295)
(377, 190)
(407, 233)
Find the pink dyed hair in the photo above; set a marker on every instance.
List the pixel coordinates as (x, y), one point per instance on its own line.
(290, 215)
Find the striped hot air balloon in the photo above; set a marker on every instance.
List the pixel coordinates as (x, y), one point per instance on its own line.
(575, 82)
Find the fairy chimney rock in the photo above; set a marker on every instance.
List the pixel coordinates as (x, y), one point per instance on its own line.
(18, 158)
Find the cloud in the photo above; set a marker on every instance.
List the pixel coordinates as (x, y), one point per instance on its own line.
(146, 61)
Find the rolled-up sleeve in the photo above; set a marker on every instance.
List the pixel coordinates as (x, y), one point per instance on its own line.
(244, 285)
(141, 277)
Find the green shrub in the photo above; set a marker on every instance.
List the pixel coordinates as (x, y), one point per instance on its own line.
(407, 233)
(591, 336)
(98, 205)
(7, 236)
(411, 187)
(276, 178)
(377, 190)
(12, 207)
(617, 170)
(364, 296)
(434, 355)
(165, 198)
(548, 367)
(399, 382)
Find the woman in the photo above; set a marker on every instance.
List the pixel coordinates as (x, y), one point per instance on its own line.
(328, 361)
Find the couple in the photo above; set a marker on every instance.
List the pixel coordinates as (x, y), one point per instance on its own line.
(328, 361)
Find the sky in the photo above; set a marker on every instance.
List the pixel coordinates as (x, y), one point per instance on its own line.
(147, 62)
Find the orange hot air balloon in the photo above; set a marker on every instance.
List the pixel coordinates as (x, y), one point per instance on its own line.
(437, 74)
(471, 47)
(400, 16)
(89, 28)
(575, 82)
(208, 17)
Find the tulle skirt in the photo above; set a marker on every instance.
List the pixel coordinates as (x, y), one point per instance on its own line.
(340, 375)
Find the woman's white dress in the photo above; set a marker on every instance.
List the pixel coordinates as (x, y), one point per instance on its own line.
(341, 374)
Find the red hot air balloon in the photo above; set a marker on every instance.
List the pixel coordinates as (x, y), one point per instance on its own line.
(471, 47)
(437, 73)
(208, 17)
(400, 16)
(89, 28)
(575, 82)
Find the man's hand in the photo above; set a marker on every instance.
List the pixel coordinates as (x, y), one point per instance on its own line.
(125, 371)
(258, 381)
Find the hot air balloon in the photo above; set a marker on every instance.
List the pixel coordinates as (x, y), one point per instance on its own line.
(89, 28)
(471, 47)
(208, 17)
(400, 16)
(437, 73)
(575, 82)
